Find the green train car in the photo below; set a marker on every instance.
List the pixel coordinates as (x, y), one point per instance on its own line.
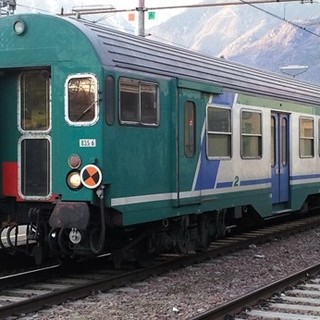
(115, 143)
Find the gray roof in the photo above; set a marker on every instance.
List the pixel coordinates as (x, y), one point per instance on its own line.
(125, 51)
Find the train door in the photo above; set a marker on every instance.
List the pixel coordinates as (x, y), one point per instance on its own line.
(192, 100)
(24, 119)
(280, 157)
(189, 106)
(34, 144)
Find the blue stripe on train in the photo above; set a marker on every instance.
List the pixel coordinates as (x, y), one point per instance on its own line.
(208, 171)
(207, 174)
(305, 177)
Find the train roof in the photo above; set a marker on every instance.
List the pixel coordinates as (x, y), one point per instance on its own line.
(135, 53)
(122, 51)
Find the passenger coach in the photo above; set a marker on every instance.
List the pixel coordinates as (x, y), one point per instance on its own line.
(114, 142)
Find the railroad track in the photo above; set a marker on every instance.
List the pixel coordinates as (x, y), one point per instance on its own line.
(299, 302)
(29, 292)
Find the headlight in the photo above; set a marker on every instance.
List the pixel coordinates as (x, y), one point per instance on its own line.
(19, 27)
(73, 180)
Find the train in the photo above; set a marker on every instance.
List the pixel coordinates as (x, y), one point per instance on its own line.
(114, 143)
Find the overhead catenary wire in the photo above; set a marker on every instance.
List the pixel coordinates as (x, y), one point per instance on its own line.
(141, 9)
(252, 3)
(280, 18)
(222, 4)
(191, 6)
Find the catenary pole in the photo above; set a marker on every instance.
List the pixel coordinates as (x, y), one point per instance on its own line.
(141, 10)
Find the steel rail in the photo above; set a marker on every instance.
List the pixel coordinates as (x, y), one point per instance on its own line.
(229, 309)
(118, 278)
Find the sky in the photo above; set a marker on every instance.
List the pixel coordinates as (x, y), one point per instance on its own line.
(54, 6)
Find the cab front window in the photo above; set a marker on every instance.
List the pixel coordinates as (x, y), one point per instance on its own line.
(82, 93)
(35, 100)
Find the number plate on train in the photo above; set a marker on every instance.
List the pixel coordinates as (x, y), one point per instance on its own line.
(87, 143)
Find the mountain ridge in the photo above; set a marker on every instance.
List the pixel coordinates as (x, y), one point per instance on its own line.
(250, 36)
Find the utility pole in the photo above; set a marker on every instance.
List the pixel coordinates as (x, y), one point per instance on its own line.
(141, 10)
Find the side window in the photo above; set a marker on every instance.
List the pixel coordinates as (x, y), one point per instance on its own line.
(189, 129)
(251, 135)
(218, 132)
(35, 100)
(306, 137)
(82, 95)
(139, 102)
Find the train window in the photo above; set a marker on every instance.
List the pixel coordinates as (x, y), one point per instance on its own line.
(139, 102)
(306, 137)
(251, 135)
(82, 99)
(189, 129)
(218, 132)
(110, 100)
(34, 101)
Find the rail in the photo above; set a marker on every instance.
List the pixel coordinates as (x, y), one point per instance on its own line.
(33, 291)
(228, 310)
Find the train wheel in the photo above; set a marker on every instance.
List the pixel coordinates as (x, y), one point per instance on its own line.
(2, 245)
(63, 240)
(220, 224)
(182, 243)
(182, 246)
(38, 254)
(144, 258)
(12, 232)
(56, 239)
(53, 241)
(203, 239)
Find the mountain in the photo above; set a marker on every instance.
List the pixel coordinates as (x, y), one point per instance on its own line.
(266, 37)
(286, 45)
(257, 36)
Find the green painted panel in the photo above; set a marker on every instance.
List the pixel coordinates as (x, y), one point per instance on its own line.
(63, 49)
(199, 86)
(186, 164)
(276, 104)
(8, 118)
(38, 46)
(137, 213)
(300, 192)
(138, 159)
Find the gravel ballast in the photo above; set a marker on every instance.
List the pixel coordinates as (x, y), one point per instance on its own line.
(184, 293)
